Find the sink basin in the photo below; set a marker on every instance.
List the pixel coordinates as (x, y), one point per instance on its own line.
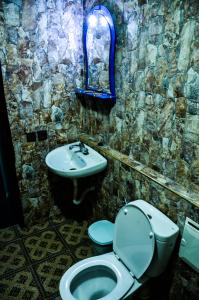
(70, 163)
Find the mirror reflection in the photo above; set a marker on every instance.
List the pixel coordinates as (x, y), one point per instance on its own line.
(98, 42)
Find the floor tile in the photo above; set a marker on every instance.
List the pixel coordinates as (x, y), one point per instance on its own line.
(32, 260)
(54, 297)
(76, 236)
(42, 245)
(25, 231)
(51, 271)
(7, 234)
(58, 298)
(19, 286)
(83, 251)
(57, 219)
(74, 232)
(11, 258)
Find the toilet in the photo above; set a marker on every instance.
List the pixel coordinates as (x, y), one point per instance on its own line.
(143, 242)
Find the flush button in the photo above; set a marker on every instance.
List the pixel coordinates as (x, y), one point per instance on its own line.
(125, 211)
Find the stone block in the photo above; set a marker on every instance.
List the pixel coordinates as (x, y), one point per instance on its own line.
(47, 90)
(181, 107)
(29, 15)
(11, 12)
(192, 108)
(191, 128)
(185, 45)
(191, 88)
(12, 35)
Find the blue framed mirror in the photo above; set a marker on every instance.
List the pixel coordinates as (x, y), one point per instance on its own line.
(99, 40)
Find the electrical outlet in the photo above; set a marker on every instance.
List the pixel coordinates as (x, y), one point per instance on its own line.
(41, 135)
(31, 136)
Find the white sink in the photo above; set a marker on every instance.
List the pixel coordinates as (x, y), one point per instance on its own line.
(71, 163)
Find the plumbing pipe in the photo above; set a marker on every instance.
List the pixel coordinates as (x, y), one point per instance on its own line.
(75, 191)
(76, 201)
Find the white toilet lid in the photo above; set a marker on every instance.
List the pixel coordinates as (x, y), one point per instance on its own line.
(101, 232)
(134, 240)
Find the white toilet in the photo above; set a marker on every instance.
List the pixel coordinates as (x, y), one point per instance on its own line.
(143, 241)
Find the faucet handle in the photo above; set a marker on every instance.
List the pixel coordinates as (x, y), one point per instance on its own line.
(81, 144)
(74, 145)
(83, 148)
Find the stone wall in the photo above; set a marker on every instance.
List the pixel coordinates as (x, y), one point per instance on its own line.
(41, 54)
(154, 121)
(156, 117)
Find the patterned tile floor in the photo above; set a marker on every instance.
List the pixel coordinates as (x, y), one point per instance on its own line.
(33, 260)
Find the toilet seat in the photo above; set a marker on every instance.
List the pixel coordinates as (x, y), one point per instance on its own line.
(124, 279)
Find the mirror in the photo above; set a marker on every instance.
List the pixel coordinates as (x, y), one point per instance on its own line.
(98, 41)
(99, 55)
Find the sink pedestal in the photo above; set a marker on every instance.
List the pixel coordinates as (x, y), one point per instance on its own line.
(84, 191)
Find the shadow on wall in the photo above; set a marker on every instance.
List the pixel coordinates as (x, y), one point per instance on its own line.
(102, 107)
(10, 202)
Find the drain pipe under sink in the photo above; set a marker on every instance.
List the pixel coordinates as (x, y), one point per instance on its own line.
(75, 191)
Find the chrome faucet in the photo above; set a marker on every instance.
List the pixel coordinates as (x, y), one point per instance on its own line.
(82, 148)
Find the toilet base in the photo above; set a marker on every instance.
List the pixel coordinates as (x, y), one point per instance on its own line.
(135, 289)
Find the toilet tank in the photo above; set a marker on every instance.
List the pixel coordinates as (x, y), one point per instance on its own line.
(165, 231)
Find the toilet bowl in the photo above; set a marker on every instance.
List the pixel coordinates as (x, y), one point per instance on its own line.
(143, 241)
(99, 277)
